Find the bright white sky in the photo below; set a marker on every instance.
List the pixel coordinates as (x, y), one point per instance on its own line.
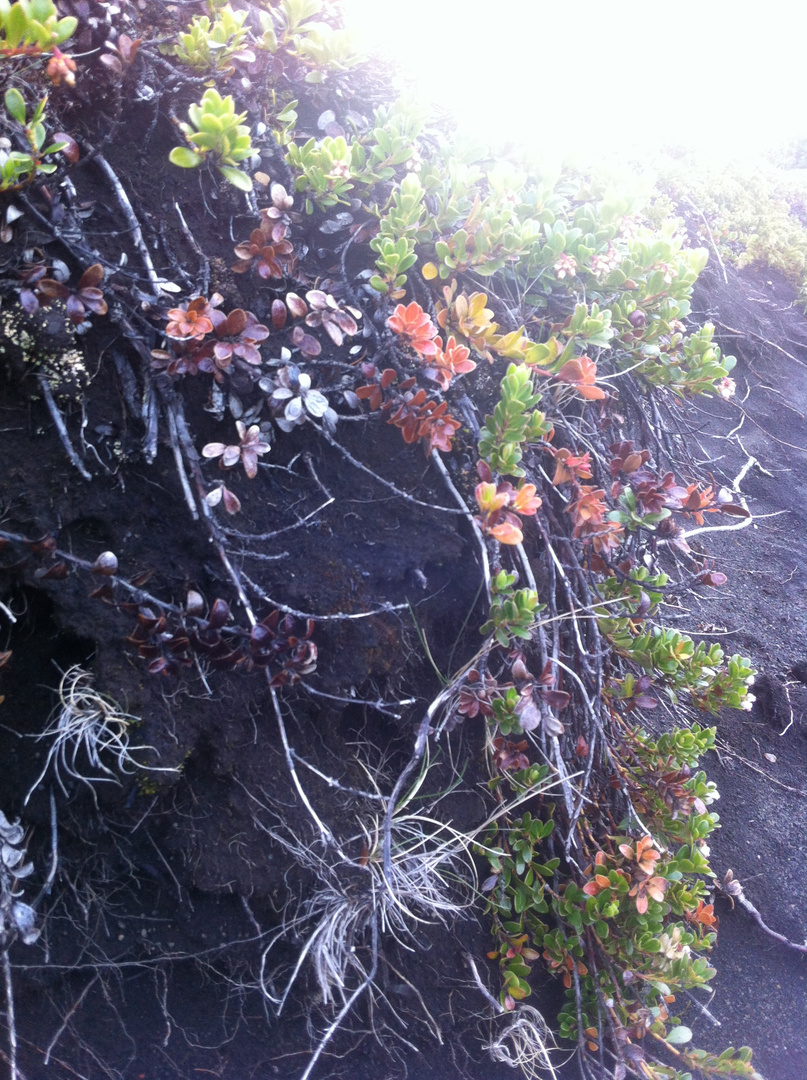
(729, 79)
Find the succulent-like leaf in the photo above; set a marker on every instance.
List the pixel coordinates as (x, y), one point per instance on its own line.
(24, 918)
(11, 832)
(184, 157)
(15, 104)
(236, 177)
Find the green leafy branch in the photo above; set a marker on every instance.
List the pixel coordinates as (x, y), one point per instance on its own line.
(216, 131)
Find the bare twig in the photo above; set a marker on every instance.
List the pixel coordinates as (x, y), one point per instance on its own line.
(54, 855)
(338, 616)
(380, 479)
(324, 832)
(11, 1023)
(480, 540)
(203, 260)
(68, 1017)
(715, 248)
(761, 340)
(134, 224)
(732, 888)
(183, 479)
(380, 705)
(56, 416)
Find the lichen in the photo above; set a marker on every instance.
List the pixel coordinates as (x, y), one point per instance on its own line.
(22, 347)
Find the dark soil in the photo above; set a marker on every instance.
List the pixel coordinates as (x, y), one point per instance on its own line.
(172, 885)
(761, 987)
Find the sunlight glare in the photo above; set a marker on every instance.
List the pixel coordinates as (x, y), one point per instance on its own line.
(725, 79)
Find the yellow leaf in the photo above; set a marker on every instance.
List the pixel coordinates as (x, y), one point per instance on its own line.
(513, 345)
(429, 271)
(543, 354)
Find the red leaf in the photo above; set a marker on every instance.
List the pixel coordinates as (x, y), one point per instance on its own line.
(71, 151)
(278, 314)
(713, 577)
(556, 699)
(547, 675)
(236, 322)
(232, 504)
(92, 277)
(52, 289)
(29, 302)
(483, 472)
(103, 592)
(309, 346)
(219, 614)
(57, 572)
(43, 546)
(75, 309)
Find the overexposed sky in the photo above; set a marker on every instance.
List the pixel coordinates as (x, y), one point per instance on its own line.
(728, 78)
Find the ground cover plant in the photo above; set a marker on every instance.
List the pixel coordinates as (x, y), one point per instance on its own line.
(746, 216)
(317, 726)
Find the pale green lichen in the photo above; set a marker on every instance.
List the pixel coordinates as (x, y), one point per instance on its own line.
(63, 366)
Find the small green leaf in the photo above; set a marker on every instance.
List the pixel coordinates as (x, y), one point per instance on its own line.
(184, 157)
(15, 104)
(678, 1035)
(65, 28)
(236, 177)
(16, 25)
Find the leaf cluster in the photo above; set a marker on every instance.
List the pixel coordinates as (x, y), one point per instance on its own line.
(207, 46)
(515, 421)
(33, 25)
(19, 169)
(512, 611)
(216, 130)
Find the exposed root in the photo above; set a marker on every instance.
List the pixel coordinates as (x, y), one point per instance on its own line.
(370, 884)
(87, 722)
(733, 889)
(525, 1044)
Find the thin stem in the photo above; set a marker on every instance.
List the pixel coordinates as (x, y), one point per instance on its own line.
(10, 1017)
(56, 416)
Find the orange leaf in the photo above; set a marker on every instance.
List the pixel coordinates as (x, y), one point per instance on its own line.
(506, 533)
(591, 393)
